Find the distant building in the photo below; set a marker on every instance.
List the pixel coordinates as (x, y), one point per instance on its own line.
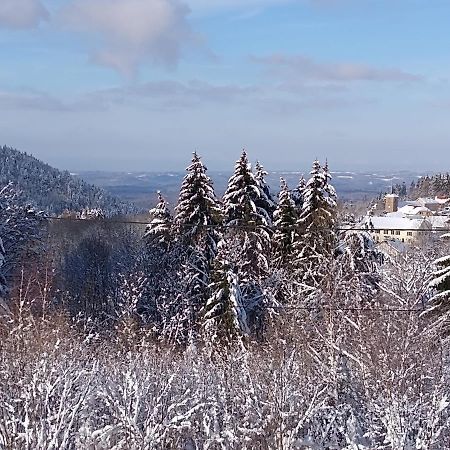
(411, 211)
(400, 228)
(434, 204)
(391, 203)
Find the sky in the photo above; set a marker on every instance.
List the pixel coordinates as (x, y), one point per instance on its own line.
(137, 85)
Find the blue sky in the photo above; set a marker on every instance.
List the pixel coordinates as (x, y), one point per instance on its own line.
(140, 84)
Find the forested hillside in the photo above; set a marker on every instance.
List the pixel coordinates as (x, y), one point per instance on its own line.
(431, 186)
(53, 190)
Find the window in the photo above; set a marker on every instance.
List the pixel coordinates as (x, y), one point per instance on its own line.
(377, 231)
(397, 232)
(386, 231)
(409, 233)
(392, 232)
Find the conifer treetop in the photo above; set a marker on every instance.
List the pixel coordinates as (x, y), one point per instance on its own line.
(160, 224)
(197, 204)
(243, 196)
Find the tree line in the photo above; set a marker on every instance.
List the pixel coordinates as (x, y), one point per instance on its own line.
(220, 269)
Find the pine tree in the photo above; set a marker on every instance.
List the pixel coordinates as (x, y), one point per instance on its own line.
(316, 223)
(198, 211)
(298, 193)
(243, 193)
(224, 315)
(159, 230)
(249, 222)
(330, 191)
(285, 219)
(248, 238)
(265, 201)
(197, 216)
(160, 264)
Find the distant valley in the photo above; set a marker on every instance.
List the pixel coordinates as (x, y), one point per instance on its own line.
(141, 187)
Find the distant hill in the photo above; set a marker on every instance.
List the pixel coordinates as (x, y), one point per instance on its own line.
(53, 190)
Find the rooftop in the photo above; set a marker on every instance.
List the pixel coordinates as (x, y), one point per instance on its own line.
(397, 223)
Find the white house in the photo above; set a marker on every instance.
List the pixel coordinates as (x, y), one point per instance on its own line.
(403, 229)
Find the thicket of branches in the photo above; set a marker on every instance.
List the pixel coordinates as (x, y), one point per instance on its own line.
(329, 379)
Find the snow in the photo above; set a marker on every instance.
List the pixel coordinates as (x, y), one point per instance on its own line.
(440, 222)
(409, 210)
(397, 223)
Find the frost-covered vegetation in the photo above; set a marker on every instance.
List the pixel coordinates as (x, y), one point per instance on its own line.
(252, 321)
(334, 380)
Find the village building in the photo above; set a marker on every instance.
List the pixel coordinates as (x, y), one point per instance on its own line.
(403, 229)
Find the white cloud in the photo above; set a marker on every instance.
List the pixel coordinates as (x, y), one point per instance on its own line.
(21, 13)
(303, 68)
(132, 31)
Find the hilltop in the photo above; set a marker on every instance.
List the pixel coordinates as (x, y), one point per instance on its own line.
(53, 190)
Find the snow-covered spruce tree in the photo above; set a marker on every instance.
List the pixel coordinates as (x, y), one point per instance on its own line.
(161, 300)
(440, 302)
(224, 315)
(298, 193)
(197, 216)
(265, 202)
(248, 238)
(159, 229)
(285, 234)
(198, 212)
(316, 224)
(248, 222)
(329, 188)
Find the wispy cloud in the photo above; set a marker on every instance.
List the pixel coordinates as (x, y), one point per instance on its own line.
(30, 100)
(175, 96)
(22, 13)
(294, 106)
(307, 69)
(132, 32)
(170, 95)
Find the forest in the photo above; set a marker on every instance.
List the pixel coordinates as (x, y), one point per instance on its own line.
(52, 190)
(252, 321)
